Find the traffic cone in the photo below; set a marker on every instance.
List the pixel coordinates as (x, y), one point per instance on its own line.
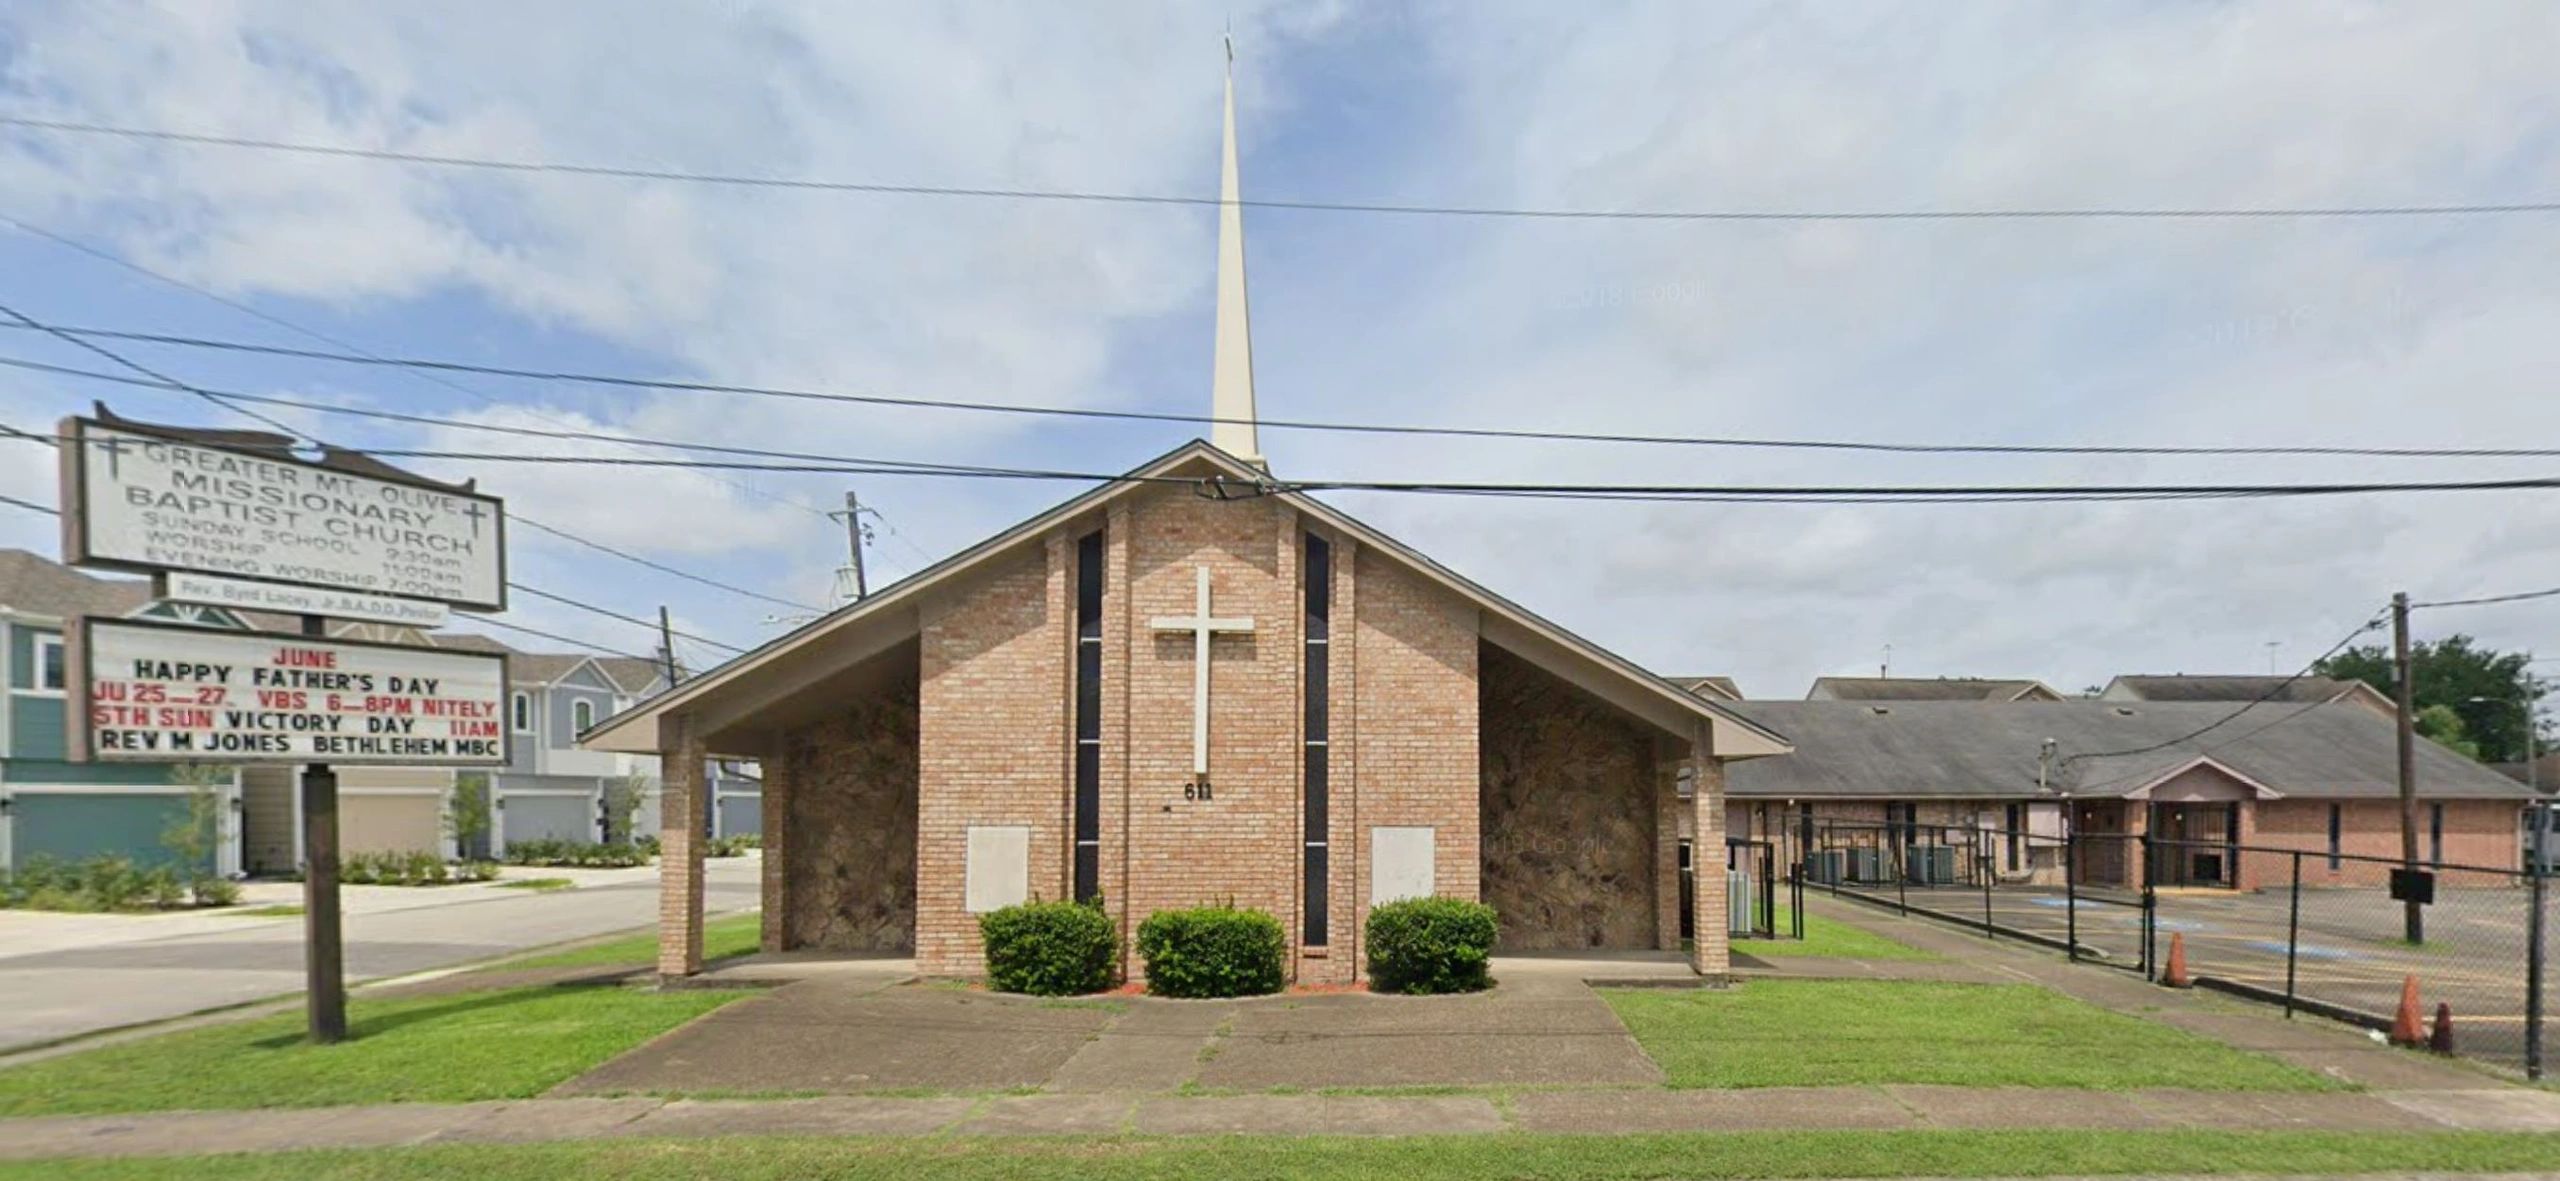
(2176, 975)
(2404, 1024)
(2440, 1039)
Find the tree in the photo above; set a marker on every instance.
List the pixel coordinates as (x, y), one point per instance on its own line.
(2451, 673)
(466, 813)
(2440, 725)
(623, 796)
(195, 839)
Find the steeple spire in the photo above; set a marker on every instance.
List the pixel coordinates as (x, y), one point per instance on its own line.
(1231, 382)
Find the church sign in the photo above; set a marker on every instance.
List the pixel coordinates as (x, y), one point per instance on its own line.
(158, 692)
(138, 499)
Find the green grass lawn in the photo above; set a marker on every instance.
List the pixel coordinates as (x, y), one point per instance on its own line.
(1832, 939)
(540, 885)
(1420, 1158)
(737, 934)
(440, 1049)
(1770, 1033)
(277, 911)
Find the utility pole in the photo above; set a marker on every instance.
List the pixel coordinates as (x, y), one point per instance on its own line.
(851, 586)
(2413, 921)
(667, 645)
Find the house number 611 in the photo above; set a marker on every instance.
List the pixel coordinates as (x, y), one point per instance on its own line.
(1196, 790)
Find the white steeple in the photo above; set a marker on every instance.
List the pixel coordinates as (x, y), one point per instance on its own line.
(1231, 383)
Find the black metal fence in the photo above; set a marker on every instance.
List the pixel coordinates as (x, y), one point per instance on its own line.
(1762, 901)
(2305, 929)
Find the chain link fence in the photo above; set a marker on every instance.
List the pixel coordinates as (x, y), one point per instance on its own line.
(2311, 931)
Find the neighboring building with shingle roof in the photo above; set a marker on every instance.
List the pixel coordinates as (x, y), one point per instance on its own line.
(1929, 689)
(2319, 777)
(1711, 688)
(2306, 690)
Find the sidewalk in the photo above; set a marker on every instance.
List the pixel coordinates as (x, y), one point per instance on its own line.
(1585, 1111)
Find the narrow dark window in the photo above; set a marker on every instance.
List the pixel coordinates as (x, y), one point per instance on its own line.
(1319, 697)
(2337, 833)
(1088, 869)
(2017, 836)
(2435, 833)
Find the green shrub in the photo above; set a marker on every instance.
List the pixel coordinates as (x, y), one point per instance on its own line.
(1211, 951)
(1050, 948)
(587, 854)
(736, 846)
(107, 883)
(413, 867)
(1429, 945)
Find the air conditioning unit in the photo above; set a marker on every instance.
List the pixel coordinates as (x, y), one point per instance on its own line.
(1866, 865)
(1826, 865)
(1929, 865)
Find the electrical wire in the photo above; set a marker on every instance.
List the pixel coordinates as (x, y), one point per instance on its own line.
(2271, 694)
(2152, 213)
(2487, 599)
(433, 364)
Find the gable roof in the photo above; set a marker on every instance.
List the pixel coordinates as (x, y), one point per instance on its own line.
(1947, 749)
(1608, 675)
(631, 674)
(2244, 687)
(1929, 689)
(1712, 688)
(32, 584)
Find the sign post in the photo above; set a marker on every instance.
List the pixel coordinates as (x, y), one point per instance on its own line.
(238, 520)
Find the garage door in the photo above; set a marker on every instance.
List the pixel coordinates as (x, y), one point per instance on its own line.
(564, 817)
(404, 822)
(741, 814)
(75, 826)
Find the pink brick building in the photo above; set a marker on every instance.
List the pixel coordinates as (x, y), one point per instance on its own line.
(1026, 720)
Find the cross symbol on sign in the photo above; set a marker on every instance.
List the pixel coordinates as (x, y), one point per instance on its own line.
(114, 447)
(1201, 625)
(473, 510)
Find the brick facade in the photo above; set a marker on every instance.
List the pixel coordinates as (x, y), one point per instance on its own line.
(872, 799)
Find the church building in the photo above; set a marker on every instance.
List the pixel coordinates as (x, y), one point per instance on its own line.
(1191, 686)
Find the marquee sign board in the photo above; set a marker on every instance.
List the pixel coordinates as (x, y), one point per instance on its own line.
(152, 692)
(241, 594)
(139, 499)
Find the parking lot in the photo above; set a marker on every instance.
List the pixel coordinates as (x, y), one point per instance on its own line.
(2348, 951)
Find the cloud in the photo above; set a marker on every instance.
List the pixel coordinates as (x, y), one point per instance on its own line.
(2430, 330)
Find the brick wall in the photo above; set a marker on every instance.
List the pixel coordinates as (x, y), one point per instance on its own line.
(1414, 725)
(991, 727)
(2476, 832)
(1241, 843)
(1568, 788)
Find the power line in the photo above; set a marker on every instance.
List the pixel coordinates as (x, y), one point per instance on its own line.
(518, 517)
(572, 641)
(600, 547)
(71, 243)
(433, 364)
(2273, 691)
(806, 184)
(535, 591)
(2487, 599)
(647, 623)
(1224, 488)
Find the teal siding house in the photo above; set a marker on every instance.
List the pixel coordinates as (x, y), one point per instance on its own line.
(50, 807)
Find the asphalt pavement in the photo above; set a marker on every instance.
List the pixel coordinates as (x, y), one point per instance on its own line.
(93, 973)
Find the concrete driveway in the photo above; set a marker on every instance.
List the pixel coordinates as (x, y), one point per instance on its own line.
(66, 975)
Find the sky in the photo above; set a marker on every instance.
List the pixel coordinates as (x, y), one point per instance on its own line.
(2432, 331)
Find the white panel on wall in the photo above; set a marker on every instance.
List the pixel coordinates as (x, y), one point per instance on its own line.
(1400, 860)
(2045, 821)
(999, 873)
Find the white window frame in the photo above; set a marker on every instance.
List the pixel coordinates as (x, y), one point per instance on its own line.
(582, 716)
(35, 654)
(520, 712)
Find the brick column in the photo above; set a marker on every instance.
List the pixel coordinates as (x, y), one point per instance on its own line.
(1119, 623)
(1347, 855)
(778, 773)
(1709, 952)
(1666, 853)
(680, 850)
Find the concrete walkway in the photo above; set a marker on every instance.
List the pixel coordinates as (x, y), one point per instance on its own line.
(1584, 1111)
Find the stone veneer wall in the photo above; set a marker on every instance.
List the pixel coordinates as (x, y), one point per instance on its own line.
(1569, 813)
(850, 831)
